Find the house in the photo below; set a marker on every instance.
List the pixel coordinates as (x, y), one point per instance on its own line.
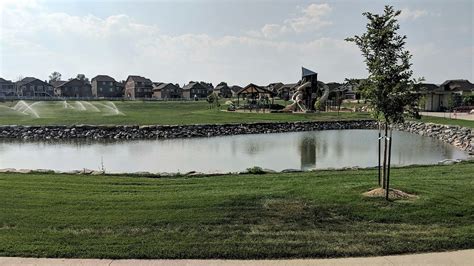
(274, 87)
(447, 95)
(106, 86)
(138, 87)
(459, 86)
(73, 88)
(235, 89)
(167, 91)
(223, 90)
(7, 88)
(195, 90)
(286, 90)
(34, 87)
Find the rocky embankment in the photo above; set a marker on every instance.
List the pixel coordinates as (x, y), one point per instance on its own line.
(460, 137)
(173, 131)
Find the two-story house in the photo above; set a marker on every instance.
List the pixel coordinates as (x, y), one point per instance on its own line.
(73, 88)
(195, 90)
(138, 87)
(167, 91)
(33, 87)
(7, 88)
(106, 86)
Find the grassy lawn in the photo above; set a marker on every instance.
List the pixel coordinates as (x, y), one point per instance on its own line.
(447, 121)
(146, 113)
(319, 214)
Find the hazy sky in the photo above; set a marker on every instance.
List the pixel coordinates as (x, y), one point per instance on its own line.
(234, 41)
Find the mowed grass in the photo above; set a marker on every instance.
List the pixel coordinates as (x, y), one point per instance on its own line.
(150, 113)
(293, 215)
(447, 121)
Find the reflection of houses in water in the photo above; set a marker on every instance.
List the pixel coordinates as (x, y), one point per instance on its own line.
(310, 147)
(308, 151)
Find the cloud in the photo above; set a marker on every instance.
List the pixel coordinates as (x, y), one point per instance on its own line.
(408, 14)
(311, 18)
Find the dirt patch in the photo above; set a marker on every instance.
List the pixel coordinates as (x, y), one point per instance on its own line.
(394, 194)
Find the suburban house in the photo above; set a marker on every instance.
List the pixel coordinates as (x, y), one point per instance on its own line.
(235, 89)
(138, 87)
(7, 88)
(223, 90)
(195, 90)
(274, 87)
(34, 87)
(442, 97)
(167, 91)
(286, 91)
(73, 88)
(106, 86)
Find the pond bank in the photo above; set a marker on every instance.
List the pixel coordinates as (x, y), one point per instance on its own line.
(460, 137)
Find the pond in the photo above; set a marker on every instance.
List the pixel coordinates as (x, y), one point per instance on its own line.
(297, 150)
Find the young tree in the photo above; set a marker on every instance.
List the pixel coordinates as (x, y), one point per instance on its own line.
(389, 88)
(55, 76)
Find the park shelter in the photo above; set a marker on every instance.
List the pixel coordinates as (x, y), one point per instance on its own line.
(253, 92)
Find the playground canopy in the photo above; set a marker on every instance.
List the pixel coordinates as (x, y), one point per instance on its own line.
(253, 91)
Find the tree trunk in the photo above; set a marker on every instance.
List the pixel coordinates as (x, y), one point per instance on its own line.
(388, 165)
(385, 156)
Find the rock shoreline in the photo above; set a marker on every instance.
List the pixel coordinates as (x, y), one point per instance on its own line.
(460, 137)
(170, 131)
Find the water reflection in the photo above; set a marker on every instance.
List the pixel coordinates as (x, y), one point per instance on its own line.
(302, 150)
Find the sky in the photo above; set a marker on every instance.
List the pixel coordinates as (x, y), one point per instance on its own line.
(238, 42)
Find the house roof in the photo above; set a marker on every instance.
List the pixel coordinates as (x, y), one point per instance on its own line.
(252, 88)
(72, 80)
(58, 83)
(193, 84)
(103, 78)
(457, 85)
(5, 81)
(287, 86)
(139, 79)
(161, 86)
(28, 80)
(222, 86)
(235, 88)
(427, 87)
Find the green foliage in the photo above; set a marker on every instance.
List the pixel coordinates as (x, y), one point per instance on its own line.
(389, 89)
(55, 76)
(468, 100)
(256, 170)
(213, 100)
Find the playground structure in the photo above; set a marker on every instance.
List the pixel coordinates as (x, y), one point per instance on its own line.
(307, 92)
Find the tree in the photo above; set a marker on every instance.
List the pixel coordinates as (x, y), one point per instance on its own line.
(389, 88)
(82, 77)
(55, 76)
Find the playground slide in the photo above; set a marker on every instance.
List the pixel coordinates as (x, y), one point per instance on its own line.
(325, 95)
(297, 99)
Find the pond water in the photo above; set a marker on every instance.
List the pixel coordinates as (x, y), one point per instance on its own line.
(298, 150)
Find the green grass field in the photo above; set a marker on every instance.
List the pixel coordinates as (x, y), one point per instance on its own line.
(166, 113)
(147, 113)
(448, 121)
(311, 214)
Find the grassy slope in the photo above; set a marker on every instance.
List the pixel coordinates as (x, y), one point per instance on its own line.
(448, 121)
(319, 214)
(147, 113)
